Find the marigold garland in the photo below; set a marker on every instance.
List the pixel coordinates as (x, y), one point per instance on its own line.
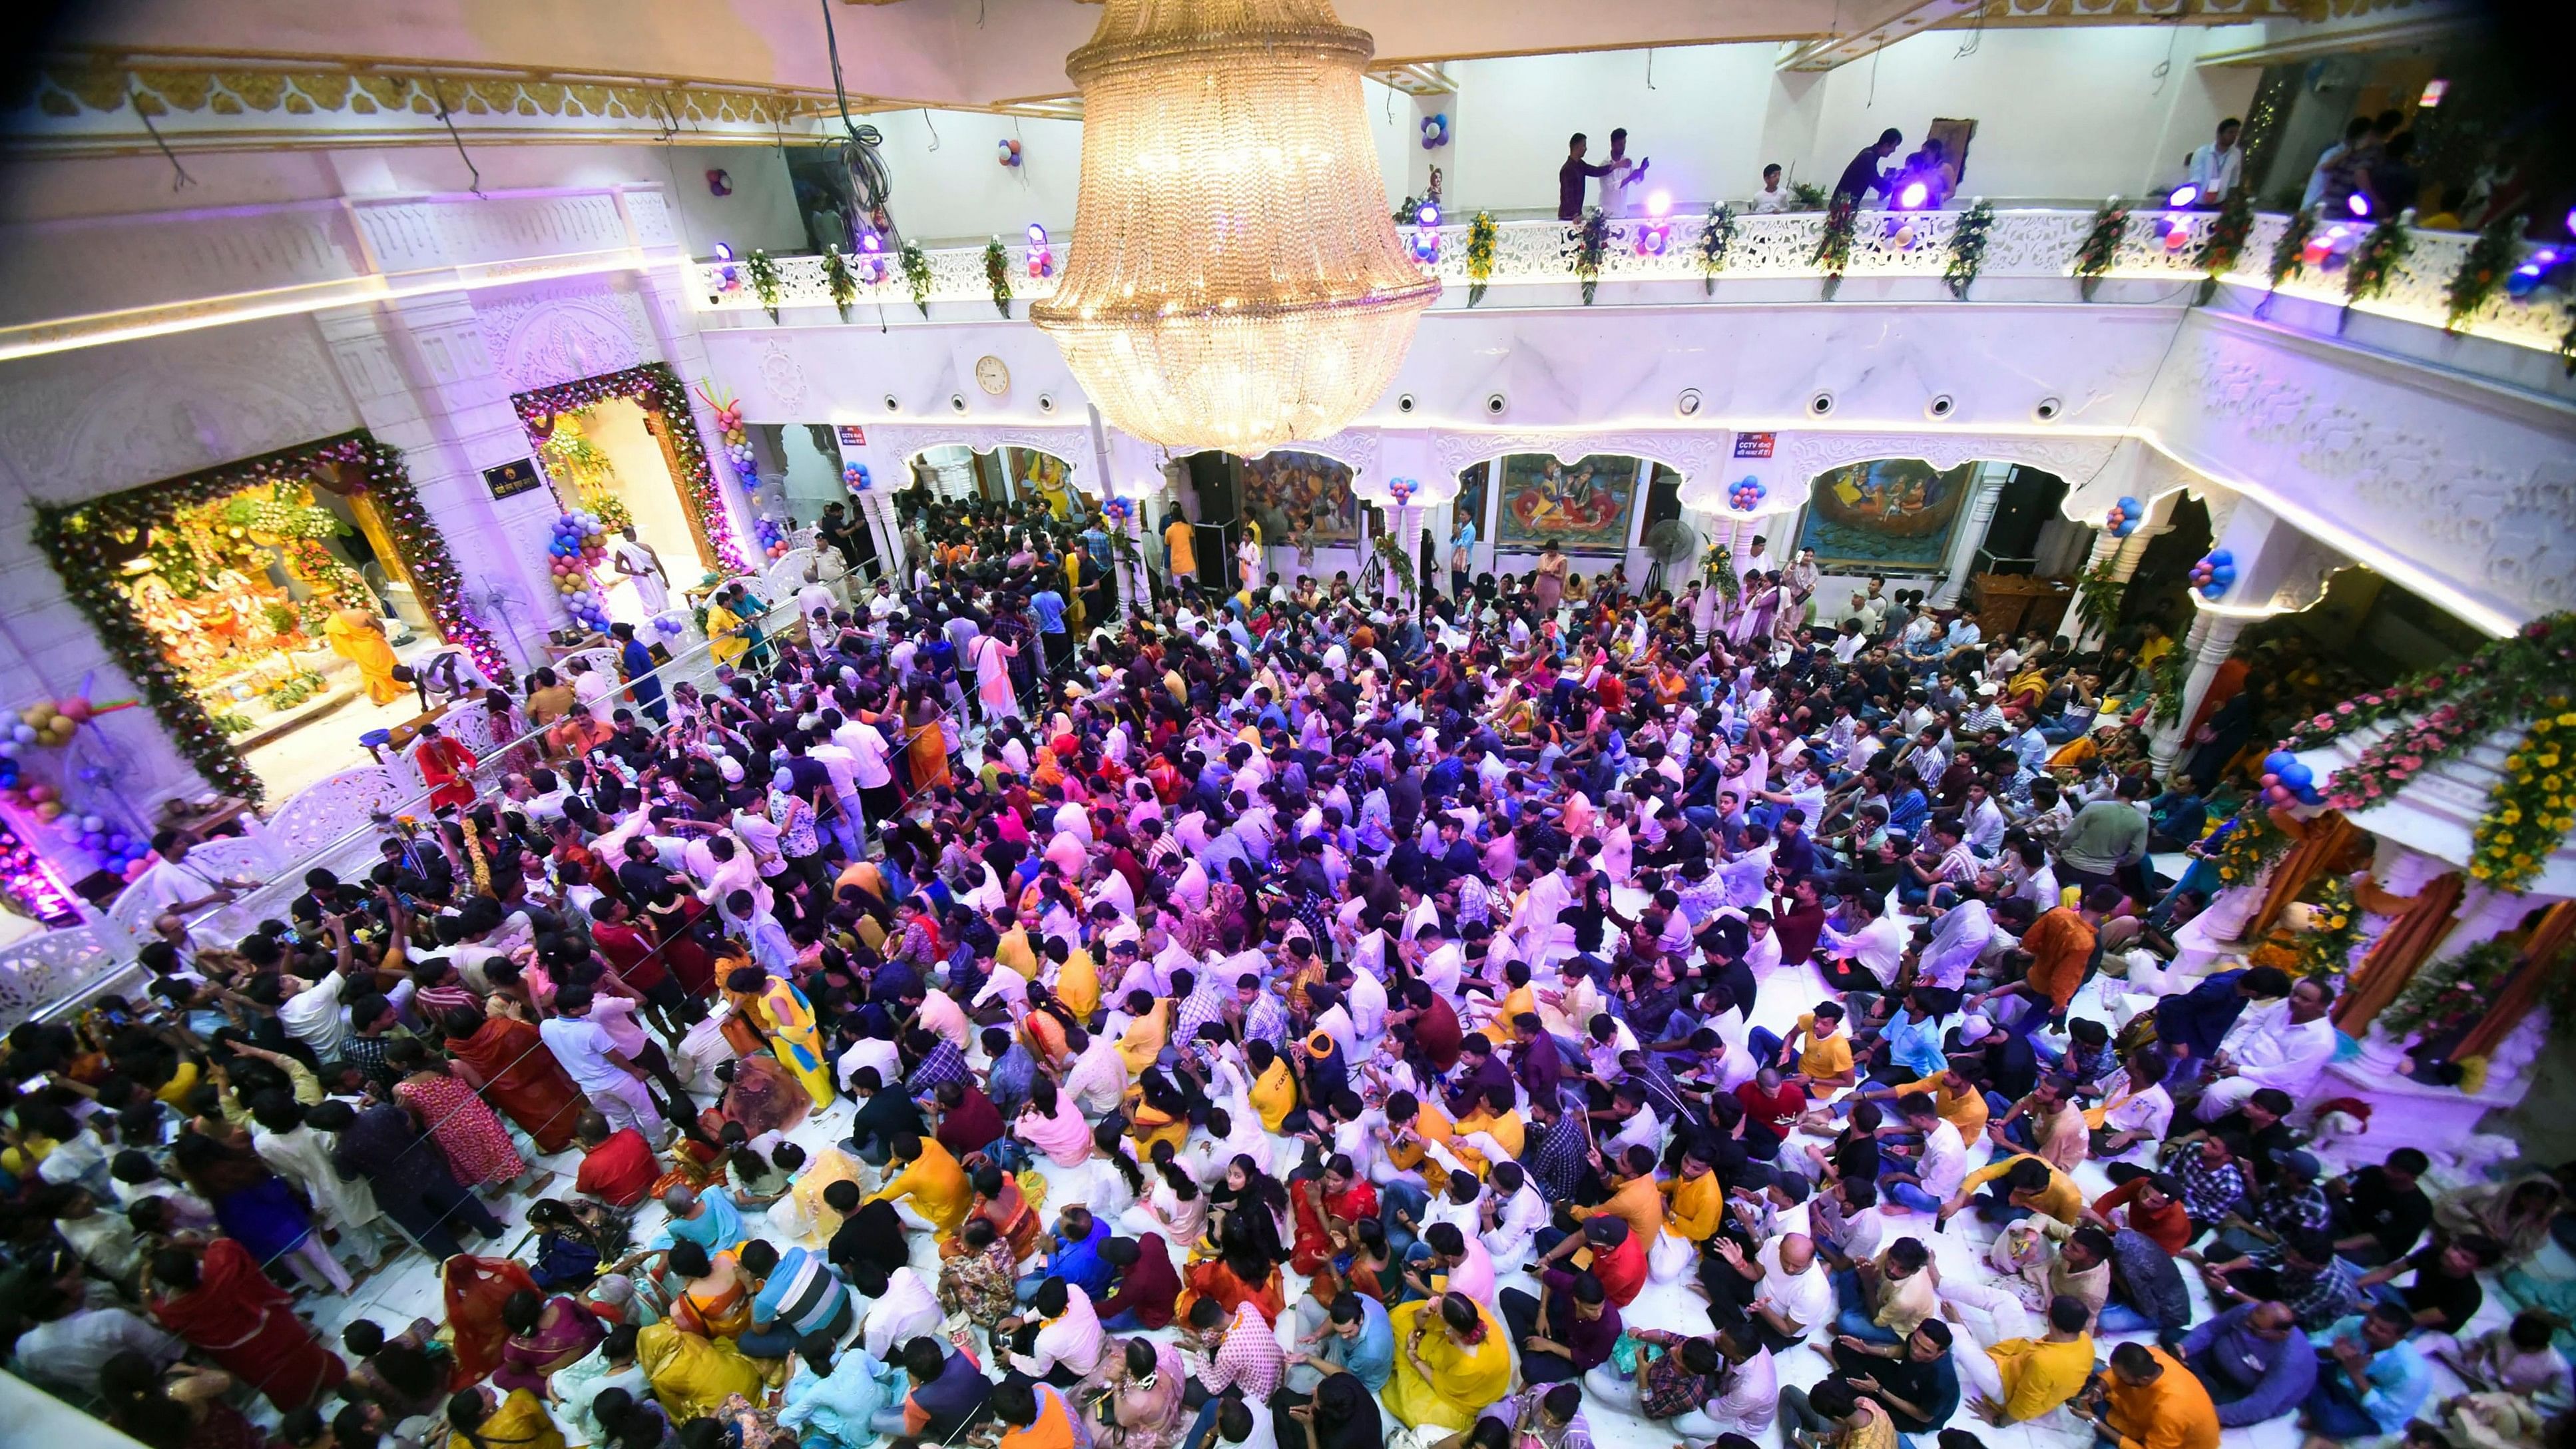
(2325, 950)
(1482, 234)
(2445, 712)
(2374, 262)
(2253, 840)
(997, 271)
(78, 540)
(2482, 270)
(1719, 561)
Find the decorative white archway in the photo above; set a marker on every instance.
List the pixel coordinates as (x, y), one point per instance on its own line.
(1069, 442)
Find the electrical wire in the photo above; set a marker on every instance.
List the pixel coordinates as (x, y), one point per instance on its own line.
(438, 93)
(183, 178)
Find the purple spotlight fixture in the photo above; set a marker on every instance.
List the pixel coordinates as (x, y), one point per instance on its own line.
(2183, 196)
(1429, 215)
(724, 251)
(2358, 203)
(1912, 195)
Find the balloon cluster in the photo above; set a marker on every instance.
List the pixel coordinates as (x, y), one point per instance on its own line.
(672, 622)
(1118, 510)
(2330, 248)
(856, 476)
(2286, 781)
(737, 444)
(1653, 238)
(1041, 254)
(1402, 490)
(772, 536)
(872, 262)
(46, 722)
(1010, 155)
(580, 544)
(2124, 515)
(1745, 494)
(2215, 574)
(1435, 131)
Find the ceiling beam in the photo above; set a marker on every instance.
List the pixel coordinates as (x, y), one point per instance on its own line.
(1911, 17)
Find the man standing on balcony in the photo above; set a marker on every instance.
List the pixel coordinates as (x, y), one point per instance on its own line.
(1570, 178)
(1627, 173)
(2216, 166)
(1862, 176)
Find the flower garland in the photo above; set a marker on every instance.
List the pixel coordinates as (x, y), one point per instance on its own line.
(2482, 270)
(2324, 951)
(1397, 562)
(1833, 246)
(839, 280)
(1716, 237)
(657, 389)
(82, 542)
(762, 269)
(2228, 233)
(2289, 253)
(1585, 243)
(2098, 591)
(2446, 712)
(997, 271)
(1482, 234)
(2452, 992)
(2533, 805)
(2374, 262)
(2101, 246)
(916, 275)
(1968, 247)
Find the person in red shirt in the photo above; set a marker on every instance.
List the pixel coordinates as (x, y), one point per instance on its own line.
(1798, 919)
(2153, 1209)
(1434, 1023)
(1147, 1285)
(1771, 1108)
(618, 1168)
(629, 953)
(1618, 1258)
(968, 1120)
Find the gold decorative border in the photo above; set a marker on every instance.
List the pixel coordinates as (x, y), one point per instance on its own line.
(70, 87)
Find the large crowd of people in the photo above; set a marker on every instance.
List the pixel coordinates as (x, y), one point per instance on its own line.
(1275, 1016)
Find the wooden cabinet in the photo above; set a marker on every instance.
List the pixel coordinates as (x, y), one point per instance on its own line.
(2010, 605)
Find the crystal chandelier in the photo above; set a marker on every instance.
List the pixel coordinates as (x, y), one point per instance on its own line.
(1235, 280)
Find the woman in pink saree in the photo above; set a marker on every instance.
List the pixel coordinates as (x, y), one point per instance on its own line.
(546, 1334)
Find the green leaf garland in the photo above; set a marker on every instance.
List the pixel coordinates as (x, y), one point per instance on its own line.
(2101, 248)
(2285, 252)
(2374, 262)
(997, 271)
(762, 271)
(1719, 564)
(2225, 243)
(1834, 244)
(1716, 238)
(2482, 270)
(2098, 591)
(839, 280)
(916, 275)
(1586, 242)
(1968, 247)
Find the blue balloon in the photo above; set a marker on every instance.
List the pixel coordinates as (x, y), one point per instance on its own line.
(2222, 556)
(2308, 795)
(2277, 761)
(2296, 775)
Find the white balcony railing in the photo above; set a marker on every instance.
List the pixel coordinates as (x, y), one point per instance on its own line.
(2022, 244)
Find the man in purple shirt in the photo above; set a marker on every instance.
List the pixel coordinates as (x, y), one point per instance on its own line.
(1570, 177)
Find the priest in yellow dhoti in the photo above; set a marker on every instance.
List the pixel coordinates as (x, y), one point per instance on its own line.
(1452, 1362)
(359, 637)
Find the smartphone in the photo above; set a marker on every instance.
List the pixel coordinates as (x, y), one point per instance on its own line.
(36, 1083)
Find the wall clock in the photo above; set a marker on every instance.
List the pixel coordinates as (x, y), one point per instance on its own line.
(992, 376)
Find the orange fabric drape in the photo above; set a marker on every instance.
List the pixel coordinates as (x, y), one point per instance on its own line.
(2323, 841)
(2544, 956)
(2368, 894)
(2392, 959)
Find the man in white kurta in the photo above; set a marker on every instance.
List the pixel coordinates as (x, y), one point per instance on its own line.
(2286, 1046)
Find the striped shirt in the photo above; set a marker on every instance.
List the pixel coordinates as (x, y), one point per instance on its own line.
(801, 1295)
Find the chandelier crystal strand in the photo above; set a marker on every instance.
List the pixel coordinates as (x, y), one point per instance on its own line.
(1235, 280)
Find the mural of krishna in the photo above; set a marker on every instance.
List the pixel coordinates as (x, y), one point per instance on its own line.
(1297, 497)
(1888, 514)
(1583, 505)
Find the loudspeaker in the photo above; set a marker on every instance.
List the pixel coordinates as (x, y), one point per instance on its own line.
(1663, 496)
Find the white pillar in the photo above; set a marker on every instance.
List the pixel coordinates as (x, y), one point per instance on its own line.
(1716, 530)
(1971, 535)
(2211, 640)
(675, 328)
(422, 376)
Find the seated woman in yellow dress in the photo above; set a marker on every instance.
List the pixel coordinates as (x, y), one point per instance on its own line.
(785, 1020)
(1452, 1362)
(1157, 1112)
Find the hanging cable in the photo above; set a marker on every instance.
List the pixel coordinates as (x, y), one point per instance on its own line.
(183, 178)
(438, 93)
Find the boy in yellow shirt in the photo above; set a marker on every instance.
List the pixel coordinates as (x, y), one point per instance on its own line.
(2021, 1379)
(1824, 1051)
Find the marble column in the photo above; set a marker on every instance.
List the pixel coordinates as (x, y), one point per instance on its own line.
(2211, 640)
(1405, 524)
(1971, 534)
(422, 376)
(1714, 530)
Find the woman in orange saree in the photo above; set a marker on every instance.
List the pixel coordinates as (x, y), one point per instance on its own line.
(477, 1290)
(226, 1308)
(517, 1074)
